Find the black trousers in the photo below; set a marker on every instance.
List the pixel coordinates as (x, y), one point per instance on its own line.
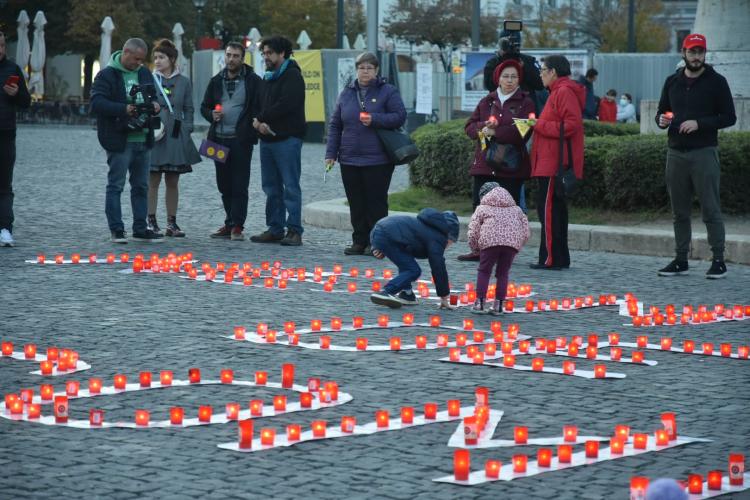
(553, 216)
(7, 160)
(367, 193)
(512, 185)
(233, 179)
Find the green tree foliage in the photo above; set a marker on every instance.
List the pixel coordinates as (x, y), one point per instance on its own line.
(289, 17)
(605, 24)
(545, 26)
(354, 19)
(440, 22)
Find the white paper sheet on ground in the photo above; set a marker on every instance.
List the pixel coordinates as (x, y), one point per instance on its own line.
(333, 432)
(397, 324)
(19, 355)
(558, 371)
(577, 459)
(218, 418)
(84, 260)
(656, 347)
(564, 353)
(719, 319)
(726, 488)
(522, 309)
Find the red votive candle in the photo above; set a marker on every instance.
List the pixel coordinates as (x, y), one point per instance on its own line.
(293, 432)
(669, 422)
(204, 413)
(736, 469)
(407, 415)
(714, 479)
(395, 343)
(96, 417)
(537, 364)
(318, 428)
(279, 402)
(142, 418)
(638, 487)
(564, 453)
(120, 381)
(45, 367)
(348, 423)
(600, 371)
(166, 377)
(261, 378)
(520, 434)
(46, 392)
(72, 387)
(695, 484)
(267, 436)
(544, 457)
(145, 379)
(245, 434)
(256, 407)
(461, 464)
(35, 410)
(640, 441)
(570, 433)
(617, 445)
(325, 342)
(29, 351)
(176, 414)
(232, 411)
(61, 409)
(592, 449)
(430, 411)
(519, 463)
(569, 367)
(382, 418)
(454, 407)
(194, 375)
(492, 469)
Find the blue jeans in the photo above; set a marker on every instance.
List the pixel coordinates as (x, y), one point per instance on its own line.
(136, 159)
(408, 268)
(280, 170)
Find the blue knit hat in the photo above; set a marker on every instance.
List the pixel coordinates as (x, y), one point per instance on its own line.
(452, 220)
(665, 489)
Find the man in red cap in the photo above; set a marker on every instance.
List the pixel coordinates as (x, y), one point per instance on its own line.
(695, 103)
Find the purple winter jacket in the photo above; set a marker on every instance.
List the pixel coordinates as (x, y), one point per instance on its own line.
(350, 142)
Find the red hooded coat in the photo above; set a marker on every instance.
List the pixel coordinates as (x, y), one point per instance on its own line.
(566, 100)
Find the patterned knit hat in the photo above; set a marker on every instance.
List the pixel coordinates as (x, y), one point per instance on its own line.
(486, 188)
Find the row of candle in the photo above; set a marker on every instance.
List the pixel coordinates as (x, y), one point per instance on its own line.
(695, 484)
(477, 357)
(736, 310)
(565, 303)
(684, 319)
(383, 321)
(64, 359)
(110, 258)
(348, 424)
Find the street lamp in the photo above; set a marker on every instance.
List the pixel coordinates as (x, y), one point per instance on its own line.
(199, 4)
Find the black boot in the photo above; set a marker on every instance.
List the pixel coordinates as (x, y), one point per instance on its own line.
(152, 224)
(173, 229)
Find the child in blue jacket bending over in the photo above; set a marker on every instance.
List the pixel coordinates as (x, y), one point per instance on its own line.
(403, 239)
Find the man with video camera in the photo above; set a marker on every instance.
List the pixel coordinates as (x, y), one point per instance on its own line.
(123, 98)
(510, 48)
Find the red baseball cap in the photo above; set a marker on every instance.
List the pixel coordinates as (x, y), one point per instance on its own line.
(694, 40)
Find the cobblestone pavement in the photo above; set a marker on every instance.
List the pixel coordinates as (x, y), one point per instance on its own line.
(124, 323)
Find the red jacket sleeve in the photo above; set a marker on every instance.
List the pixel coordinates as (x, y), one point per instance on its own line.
(567, 108)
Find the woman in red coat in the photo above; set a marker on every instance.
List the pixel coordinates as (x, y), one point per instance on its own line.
(561, 119)
(493, 117)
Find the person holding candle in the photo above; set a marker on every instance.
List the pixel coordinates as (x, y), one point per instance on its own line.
(492, 123)
(695, 104)
(174, 152)
(557, 147)
(366, 104)
(403, 239)
(497, 231)
(230, 102)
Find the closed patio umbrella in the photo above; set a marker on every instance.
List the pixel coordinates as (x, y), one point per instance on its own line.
(38, 56)
(23, 49)
(105, 50)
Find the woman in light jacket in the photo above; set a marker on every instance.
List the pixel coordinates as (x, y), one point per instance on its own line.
(175, 152)
(365, 104)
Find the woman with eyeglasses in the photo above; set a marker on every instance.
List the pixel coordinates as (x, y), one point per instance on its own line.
(367, 103)
(492, 121)
(556, 147)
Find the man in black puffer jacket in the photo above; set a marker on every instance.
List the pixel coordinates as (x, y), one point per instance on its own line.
(281, 125)
(13, 96)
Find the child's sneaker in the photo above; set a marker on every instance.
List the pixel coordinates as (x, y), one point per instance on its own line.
(478, 307)
(386, 299)
(407, 298)
(497, 308)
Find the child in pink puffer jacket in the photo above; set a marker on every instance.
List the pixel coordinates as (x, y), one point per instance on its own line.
(498, 230)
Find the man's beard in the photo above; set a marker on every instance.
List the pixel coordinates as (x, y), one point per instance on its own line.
(695, 66)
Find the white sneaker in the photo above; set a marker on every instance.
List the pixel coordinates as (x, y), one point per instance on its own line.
(6, 239)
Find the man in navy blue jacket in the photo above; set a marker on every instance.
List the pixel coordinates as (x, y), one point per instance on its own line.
(115, 102)
(13, 96)
(403, 239)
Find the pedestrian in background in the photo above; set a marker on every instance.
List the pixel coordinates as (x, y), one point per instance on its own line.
(174, 152)
(14, 96)
(608, 107)
(626, 109)
(557, 146)
(281, 125)
(229, 104)
(497, 231)
(591, 103)
(695, 103)
(365, 104)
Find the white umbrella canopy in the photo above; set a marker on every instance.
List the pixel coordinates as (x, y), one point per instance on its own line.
(105, 50)
(177, 32)
(254, 36)
(23, 49)
(303, 40)
(38, 56)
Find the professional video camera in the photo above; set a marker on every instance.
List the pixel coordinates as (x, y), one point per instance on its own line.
(144, 114)
(510, 43)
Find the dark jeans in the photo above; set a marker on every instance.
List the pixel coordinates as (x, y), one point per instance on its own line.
(408, 268)
(512, 185)
(136, 160)
(367, 193)
(280, 170)
(553, 216)
(695, 172)
(233, 179)
(500, 257)
(7, 160)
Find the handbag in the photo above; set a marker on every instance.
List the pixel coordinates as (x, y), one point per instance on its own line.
(398, 146)
(502, 159)
(566, 177)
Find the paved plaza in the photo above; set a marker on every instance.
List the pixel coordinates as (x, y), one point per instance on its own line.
(121, 323)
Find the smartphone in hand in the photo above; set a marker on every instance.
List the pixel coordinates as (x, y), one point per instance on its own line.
(12, 80)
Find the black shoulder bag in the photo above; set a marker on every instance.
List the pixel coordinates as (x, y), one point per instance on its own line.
(567, 178)
(398, 146)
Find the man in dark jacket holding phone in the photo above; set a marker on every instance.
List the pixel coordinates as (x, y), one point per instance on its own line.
(695, 103)
(123, 98)
(230, 104)
(13, 96)
(281, 125)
